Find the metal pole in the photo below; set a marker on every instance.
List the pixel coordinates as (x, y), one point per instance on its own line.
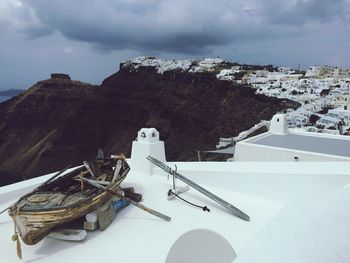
(234, 210)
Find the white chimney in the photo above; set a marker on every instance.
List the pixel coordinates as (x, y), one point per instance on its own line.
(147, 143)
(278, 124)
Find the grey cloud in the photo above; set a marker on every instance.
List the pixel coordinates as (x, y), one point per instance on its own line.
(182, 26)
(307, 11)
(138, 25)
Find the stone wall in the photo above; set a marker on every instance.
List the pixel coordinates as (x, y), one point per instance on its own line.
(60, 76)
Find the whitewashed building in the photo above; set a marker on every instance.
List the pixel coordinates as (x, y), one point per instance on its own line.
(340, 113)
(341, 101)
(327, 71)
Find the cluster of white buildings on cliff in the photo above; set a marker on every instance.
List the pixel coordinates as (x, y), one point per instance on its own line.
(319, 88)
(316, 89)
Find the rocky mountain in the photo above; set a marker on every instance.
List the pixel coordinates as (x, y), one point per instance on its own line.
(58, 121)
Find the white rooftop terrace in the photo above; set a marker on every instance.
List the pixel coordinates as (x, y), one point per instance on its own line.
(299, 213)
(283, 144)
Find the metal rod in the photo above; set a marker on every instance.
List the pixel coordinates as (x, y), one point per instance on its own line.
(144, 208)
(234, 210)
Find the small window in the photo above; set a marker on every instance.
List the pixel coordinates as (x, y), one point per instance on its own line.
(278, 119)
(143, 135)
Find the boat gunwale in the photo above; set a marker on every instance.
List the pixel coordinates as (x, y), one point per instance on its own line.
(42, 210)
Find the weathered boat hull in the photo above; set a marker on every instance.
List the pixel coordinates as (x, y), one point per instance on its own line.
(34, 224)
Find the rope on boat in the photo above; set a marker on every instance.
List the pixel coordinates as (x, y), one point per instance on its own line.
(15, 237)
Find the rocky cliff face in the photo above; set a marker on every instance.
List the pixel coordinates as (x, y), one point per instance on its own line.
(59, 122)
(33, 124)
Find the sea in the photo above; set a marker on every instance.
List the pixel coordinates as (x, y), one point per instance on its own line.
(3, 98)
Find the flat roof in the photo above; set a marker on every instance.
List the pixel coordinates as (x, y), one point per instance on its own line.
(307, 216)
(324, 145)
(135, 236)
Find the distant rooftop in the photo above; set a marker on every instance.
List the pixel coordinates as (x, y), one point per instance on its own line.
(307, 143)
(283, 144)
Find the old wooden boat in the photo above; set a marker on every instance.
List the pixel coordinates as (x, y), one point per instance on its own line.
(66, 198)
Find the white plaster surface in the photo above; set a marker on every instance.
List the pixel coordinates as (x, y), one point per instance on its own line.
(306, 231)
(259, 189)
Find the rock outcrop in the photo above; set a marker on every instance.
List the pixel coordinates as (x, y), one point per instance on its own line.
(60, 76)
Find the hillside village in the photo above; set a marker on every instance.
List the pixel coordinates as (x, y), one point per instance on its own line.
(322, 91)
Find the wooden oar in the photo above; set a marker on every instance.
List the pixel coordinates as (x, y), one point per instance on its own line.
(87, 166)
(144, 208)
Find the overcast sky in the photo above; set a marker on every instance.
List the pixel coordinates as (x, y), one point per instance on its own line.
(88, 38)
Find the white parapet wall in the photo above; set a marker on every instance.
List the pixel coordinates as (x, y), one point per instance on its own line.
(258, 153)
(147, 143)
(281, 144)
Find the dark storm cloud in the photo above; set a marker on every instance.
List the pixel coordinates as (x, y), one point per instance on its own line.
(311, 11)
(138, 25)
(182, 26)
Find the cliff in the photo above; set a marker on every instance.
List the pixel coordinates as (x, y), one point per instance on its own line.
(59, 122)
